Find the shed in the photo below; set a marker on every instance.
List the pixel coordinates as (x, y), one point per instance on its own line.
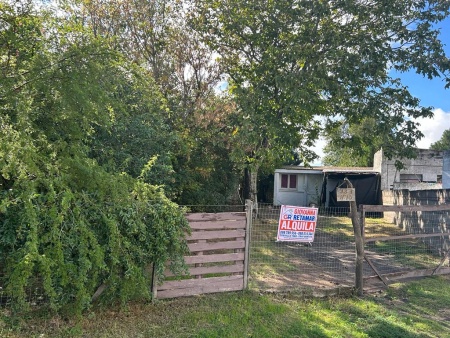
(297, 185)
(305, 186)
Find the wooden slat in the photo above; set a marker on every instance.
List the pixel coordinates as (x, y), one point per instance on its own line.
(191, 283)
(441, 263)
(220, 234)
(214, 258)
(397, 276)
(383, 279)
(223, 216)
(207, 225)
(194, 247)
(406, 208)
(203, 270)
(389, 238)
(226, 287)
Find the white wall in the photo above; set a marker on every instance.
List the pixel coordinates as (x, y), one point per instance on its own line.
(309, 186)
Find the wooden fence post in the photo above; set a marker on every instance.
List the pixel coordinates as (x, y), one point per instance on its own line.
(249, 215)
(154, 286)
(359, 243)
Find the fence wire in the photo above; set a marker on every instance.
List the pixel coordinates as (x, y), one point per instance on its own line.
(407, 242)
(328, 263)
(325, 264)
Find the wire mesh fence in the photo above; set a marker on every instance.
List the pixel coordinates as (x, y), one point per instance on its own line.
(407, 243)
(325, 264)
(396, 243)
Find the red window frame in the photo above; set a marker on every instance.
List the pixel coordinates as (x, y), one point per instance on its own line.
(289, 181)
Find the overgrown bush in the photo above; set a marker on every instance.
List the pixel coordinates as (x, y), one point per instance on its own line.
(67, 224)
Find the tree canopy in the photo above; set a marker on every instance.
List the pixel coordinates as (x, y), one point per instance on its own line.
(443, 143)
(299, 68)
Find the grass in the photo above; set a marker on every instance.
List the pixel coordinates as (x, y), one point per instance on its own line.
(416, 309)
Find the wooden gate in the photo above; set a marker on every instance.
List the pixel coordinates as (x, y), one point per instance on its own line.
(414, 242)
(218, 260)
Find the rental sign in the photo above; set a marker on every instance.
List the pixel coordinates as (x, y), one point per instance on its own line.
(297, 224)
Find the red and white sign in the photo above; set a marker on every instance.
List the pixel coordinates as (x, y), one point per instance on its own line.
(297, 224)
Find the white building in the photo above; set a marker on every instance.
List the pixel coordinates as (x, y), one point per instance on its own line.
(303, 186)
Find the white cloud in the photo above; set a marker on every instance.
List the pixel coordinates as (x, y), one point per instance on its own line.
(432, 128)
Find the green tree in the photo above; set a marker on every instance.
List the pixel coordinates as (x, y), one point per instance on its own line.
(443, 143)
(68, 225)
(353, 145)
(199, 169)
(298, 68)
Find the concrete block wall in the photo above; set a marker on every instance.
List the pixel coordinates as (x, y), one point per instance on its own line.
(428, 164)
(421, 222)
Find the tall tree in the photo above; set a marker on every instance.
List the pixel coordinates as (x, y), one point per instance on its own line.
(443, 143)
(296, 68)
(154, 35)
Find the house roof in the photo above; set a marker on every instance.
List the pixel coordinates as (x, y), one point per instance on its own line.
(328, 169)
(349, 170)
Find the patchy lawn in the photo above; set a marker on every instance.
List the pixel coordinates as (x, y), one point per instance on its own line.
(415, 309)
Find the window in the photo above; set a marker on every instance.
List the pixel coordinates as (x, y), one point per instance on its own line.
(289, 181)
(410, 178)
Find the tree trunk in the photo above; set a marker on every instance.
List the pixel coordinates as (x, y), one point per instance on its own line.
(246, 185)
(254, 185)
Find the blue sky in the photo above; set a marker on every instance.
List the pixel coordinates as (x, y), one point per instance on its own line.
(431, 92)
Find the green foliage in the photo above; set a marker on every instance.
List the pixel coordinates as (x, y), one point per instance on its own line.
(193, 136)
(67, 224)
(298, 68)
(353, 145)
(443, 143)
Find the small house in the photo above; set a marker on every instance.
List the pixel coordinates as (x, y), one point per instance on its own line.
(306, 186)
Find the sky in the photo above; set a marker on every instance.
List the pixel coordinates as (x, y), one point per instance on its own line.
(432, 93)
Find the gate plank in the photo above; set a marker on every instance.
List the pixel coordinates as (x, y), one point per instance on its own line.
(191, 283)
(239, 267)
(208, 225)
(237, 285)
(214, 258)
(221, 234)
(223, 216)
(194, 247)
